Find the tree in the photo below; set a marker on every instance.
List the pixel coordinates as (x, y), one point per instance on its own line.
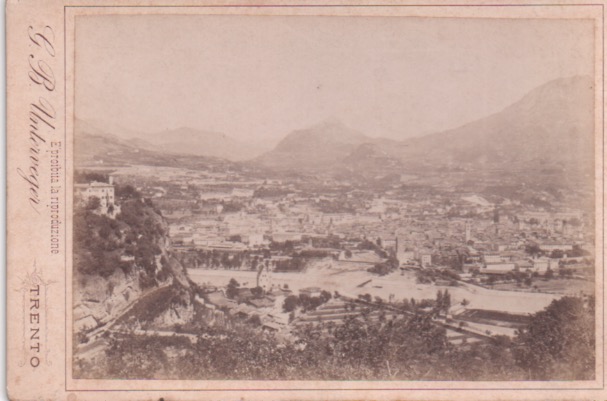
(232, 289)
(406, 305)
(439, 300)
(533, 249)
(93, 203)
(577, 251)
(255, 320)
(125, 192)
(559, 342)
(446, 301)
(325, 296)
(290, 303)
(257, 292)
(575, 222)
(235, 238)
(443, 301)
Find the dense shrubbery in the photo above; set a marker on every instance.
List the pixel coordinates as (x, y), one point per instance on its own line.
(126, 192)
(152, 306)
(283, 247)
(402, 349)
(385, 267)
(246, 260)
(294, 264)
(252, 260)
(99, 241)
(219, 259)
(558, 344)
(427, 276)
(305, 301)
(312, 253)
(372, 246)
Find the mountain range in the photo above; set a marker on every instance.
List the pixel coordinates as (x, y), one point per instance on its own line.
(319, 146)
(550, 127)
(179, 141)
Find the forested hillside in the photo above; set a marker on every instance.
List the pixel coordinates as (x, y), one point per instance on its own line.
(118, 260)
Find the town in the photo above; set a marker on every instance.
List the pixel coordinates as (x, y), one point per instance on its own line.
(283, 253)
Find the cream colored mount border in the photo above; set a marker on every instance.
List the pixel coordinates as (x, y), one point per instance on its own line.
(40, 108)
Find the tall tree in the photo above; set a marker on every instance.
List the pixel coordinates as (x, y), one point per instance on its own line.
(232, 290)
(559, 343)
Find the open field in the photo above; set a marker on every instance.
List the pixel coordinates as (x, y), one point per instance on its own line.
(346, 281)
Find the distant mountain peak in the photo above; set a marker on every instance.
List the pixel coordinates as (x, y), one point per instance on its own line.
(317, 146)
(180, 141)
(552, 125)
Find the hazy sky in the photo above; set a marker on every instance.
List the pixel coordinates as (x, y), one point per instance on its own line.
(262, 77)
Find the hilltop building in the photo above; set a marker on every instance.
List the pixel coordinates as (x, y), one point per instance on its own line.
(102, 191)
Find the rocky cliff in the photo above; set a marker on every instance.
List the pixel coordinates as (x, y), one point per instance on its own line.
(124, 261)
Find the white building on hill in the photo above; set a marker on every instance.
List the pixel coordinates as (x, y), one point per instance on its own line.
(102, 191)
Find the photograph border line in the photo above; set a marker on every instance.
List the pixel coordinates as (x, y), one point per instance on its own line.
(273, 389)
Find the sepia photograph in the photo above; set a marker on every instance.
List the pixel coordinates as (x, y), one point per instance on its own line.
(333, 198)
